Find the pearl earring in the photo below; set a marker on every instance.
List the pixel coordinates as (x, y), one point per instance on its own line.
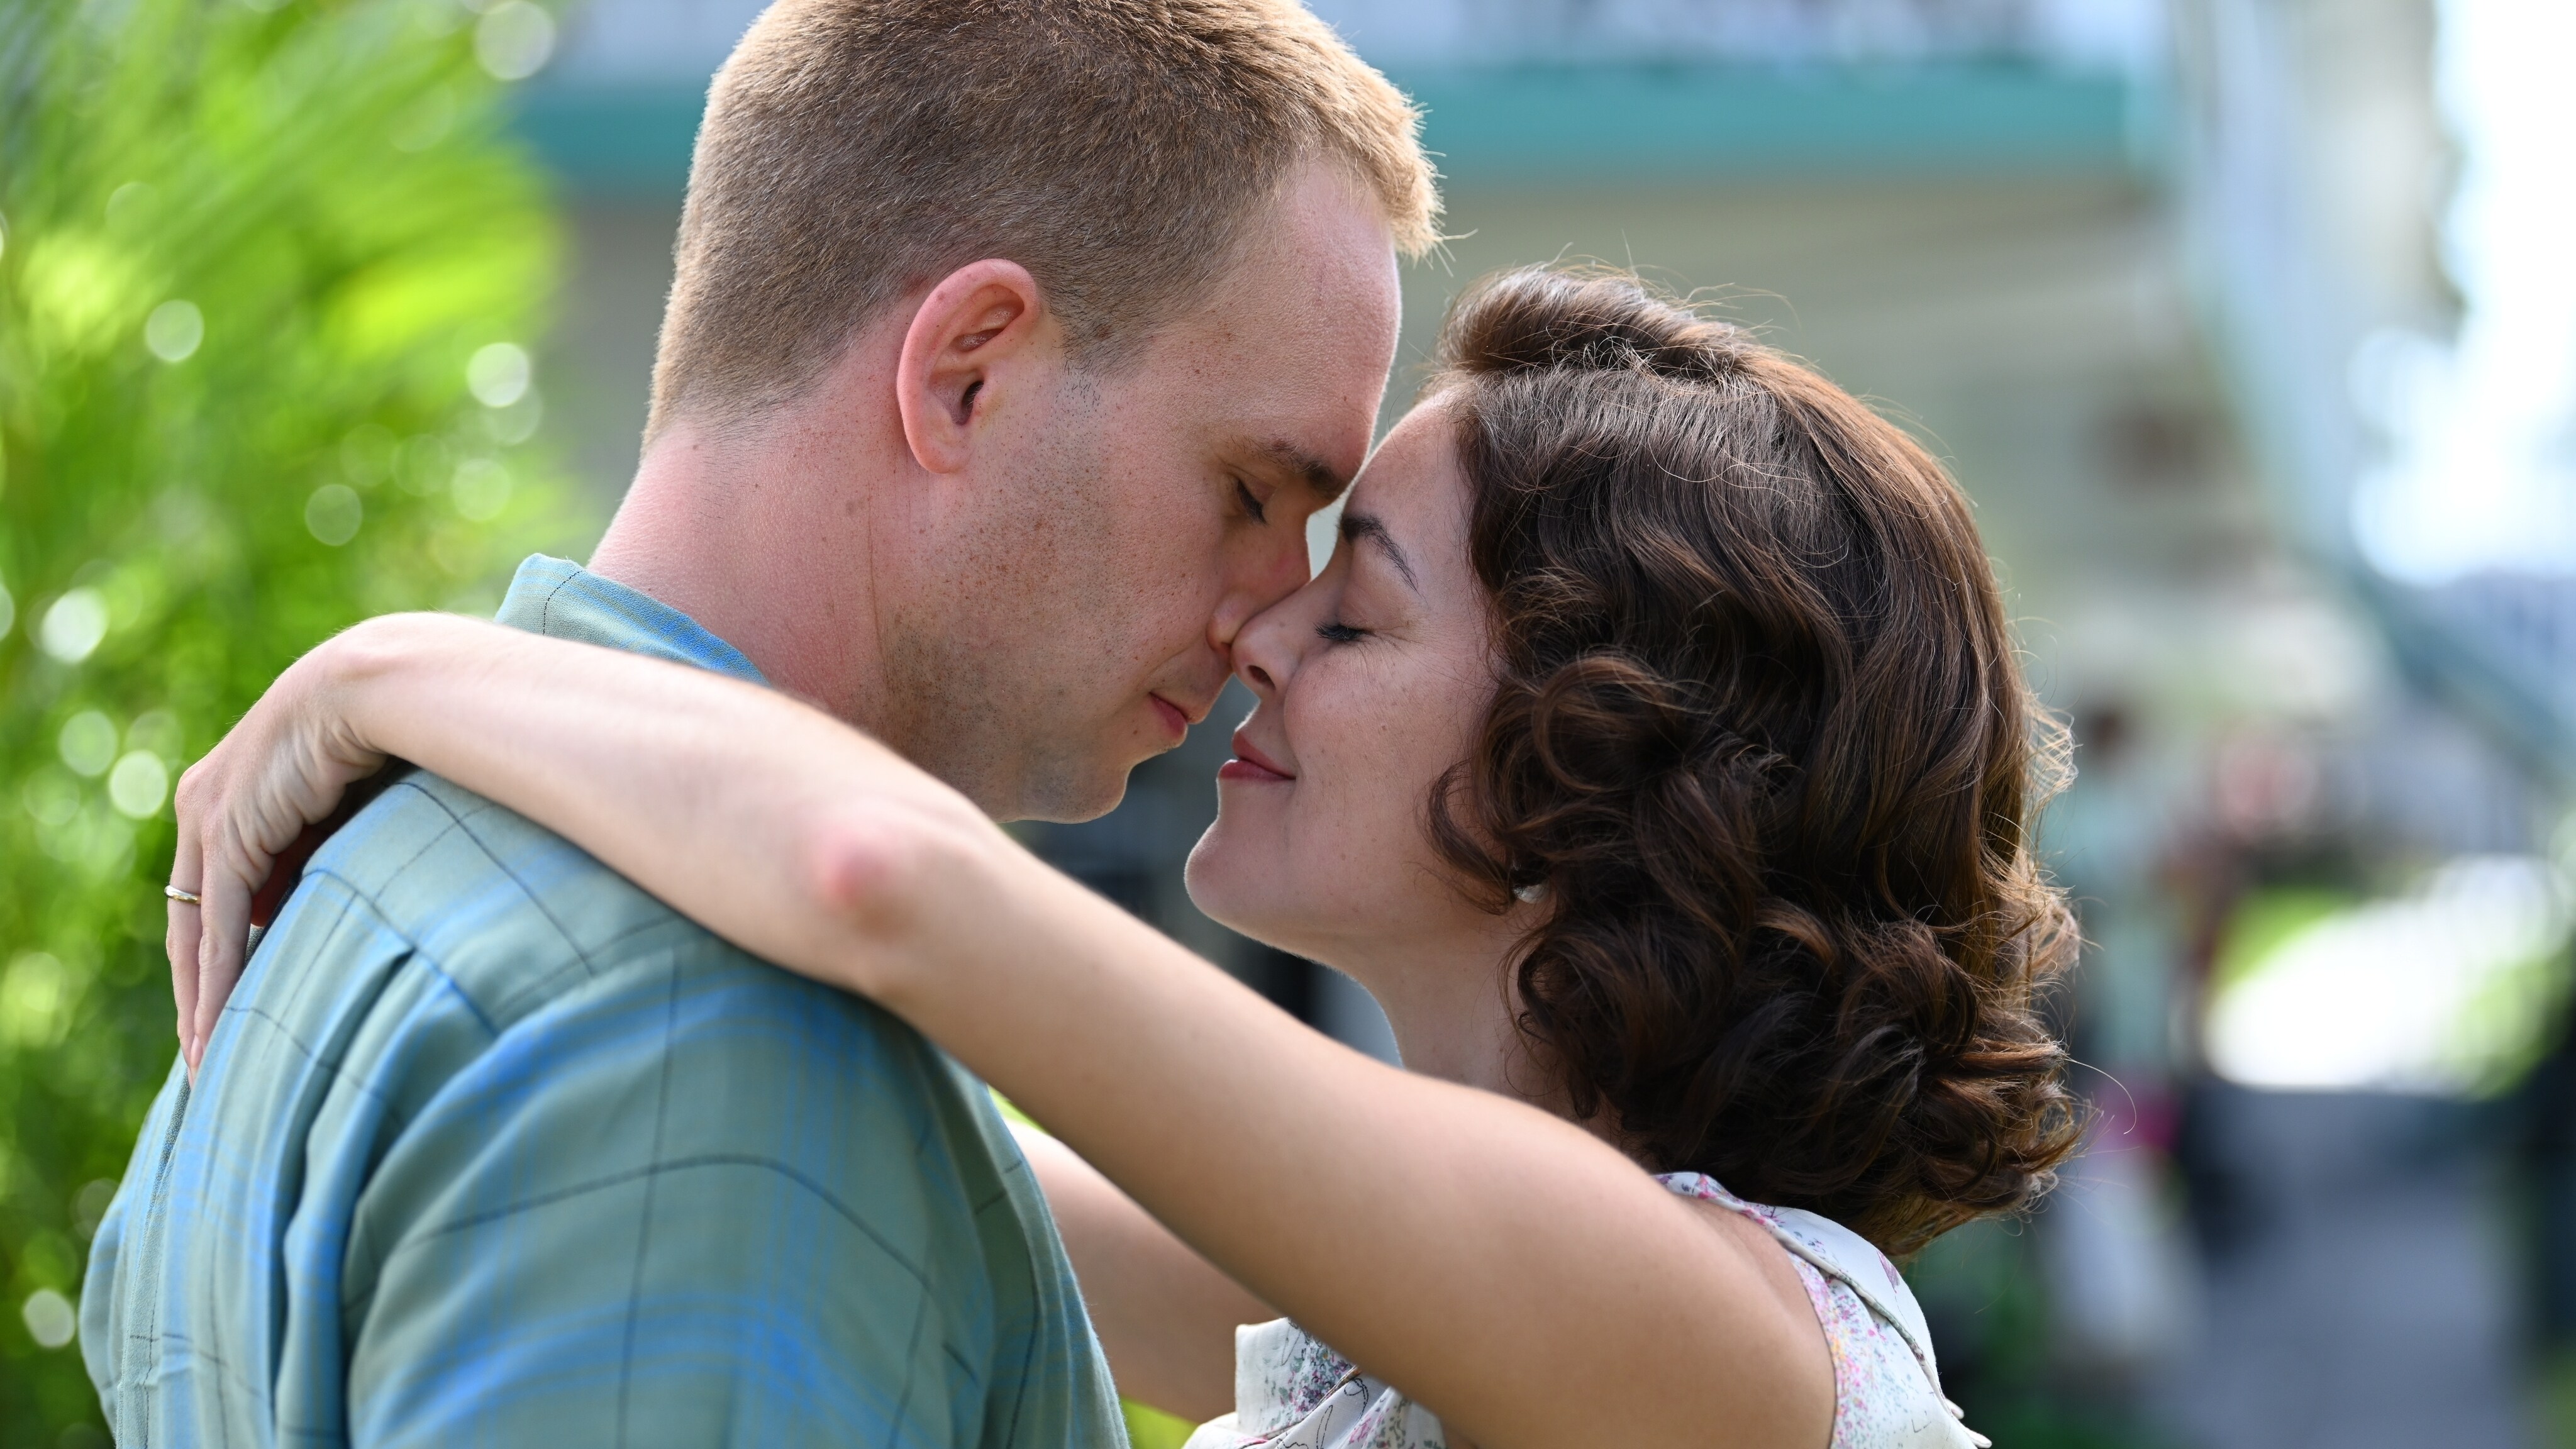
(1531, 894)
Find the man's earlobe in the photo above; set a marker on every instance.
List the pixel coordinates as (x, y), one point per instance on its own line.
(969, 338)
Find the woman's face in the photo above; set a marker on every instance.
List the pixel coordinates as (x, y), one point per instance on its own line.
(1372, 681)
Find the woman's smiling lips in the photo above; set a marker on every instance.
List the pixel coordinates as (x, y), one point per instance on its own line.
(1250, 764)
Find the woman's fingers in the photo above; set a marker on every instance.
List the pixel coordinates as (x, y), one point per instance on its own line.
(222, 863)
(187, 870)
(250, 814)
(223, 940)
(233, 860)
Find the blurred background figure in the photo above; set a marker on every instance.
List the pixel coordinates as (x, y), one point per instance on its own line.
(2248, 323)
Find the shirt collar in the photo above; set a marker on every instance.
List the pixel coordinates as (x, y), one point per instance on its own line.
(563, 600)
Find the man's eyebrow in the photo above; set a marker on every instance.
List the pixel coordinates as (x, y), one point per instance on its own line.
(1318, 475)
(1356, 526)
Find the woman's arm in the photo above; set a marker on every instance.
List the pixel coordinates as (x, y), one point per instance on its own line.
(560, 731)
(1166, 1316)
(1515, 1274)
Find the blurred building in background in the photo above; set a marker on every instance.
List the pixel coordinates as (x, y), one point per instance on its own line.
(2249, 326)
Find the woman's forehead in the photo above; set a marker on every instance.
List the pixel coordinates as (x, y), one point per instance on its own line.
(1414, 470)
(1408, 509)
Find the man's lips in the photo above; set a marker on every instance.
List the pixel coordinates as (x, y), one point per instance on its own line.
(1177, 717)
(1250, 765)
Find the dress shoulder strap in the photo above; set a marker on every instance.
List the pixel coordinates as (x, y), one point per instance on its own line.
(1835, 1251)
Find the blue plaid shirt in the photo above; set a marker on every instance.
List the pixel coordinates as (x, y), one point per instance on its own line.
(492, 1148)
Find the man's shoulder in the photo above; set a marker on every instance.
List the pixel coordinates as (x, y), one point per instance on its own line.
(444, 946)
(440, 938)
(508, 913)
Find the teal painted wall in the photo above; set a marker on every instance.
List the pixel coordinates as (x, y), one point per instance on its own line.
(1577, 124)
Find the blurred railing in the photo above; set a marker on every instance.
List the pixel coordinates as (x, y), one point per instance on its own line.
(2075, 34)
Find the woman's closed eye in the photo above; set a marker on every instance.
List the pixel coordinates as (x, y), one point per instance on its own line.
(1337, 632)
(1252, 507)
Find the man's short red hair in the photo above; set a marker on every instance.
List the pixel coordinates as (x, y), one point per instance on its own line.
(855, 150)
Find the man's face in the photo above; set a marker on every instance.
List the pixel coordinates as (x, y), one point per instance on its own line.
(1135, 519)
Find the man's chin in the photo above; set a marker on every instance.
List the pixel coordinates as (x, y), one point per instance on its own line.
(1075, 795)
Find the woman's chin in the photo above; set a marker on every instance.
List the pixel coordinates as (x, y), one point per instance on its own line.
(1239, 894)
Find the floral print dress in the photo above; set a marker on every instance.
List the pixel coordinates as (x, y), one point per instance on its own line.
(1292, 1392)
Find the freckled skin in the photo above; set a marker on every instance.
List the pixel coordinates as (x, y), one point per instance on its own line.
(1335, 864)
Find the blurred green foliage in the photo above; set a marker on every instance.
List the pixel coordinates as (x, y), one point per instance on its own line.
(249, 253)
(1984, 1291)
(1151, 1428)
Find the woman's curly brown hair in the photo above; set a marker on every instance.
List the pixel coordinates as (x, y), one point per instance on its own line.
(1762, 735)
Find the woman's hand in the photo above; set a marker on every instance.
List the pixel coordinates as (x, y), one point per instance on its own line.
(285, 767)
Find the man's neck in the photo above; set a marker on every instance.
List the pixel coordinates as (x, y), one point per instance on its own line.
(730, 534)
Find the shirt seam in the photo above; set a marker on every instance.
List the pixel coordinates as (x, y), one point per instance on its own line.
(423, 1237)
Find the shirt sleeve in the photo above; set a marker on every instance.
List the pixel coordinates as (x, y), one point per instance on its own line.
(699, 1203)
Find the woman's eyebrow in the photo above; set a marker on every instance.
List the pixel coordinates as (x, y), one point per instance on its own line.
(1356, 526)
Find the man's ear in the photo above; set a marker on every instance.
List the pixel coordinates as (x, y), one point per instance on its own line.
(970, 340)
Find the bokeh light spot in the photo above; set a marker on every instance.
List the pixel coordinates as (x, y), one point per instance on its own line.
(88, 743)
(333, 513)
(74, 625)
(514, 39)
(498, 374)
(50, 1319)
(138, 785)
(175, 330)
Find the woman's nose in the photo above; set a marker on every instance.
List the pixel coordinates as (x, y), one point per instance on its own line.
(1262, 582)
(1265, 649)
